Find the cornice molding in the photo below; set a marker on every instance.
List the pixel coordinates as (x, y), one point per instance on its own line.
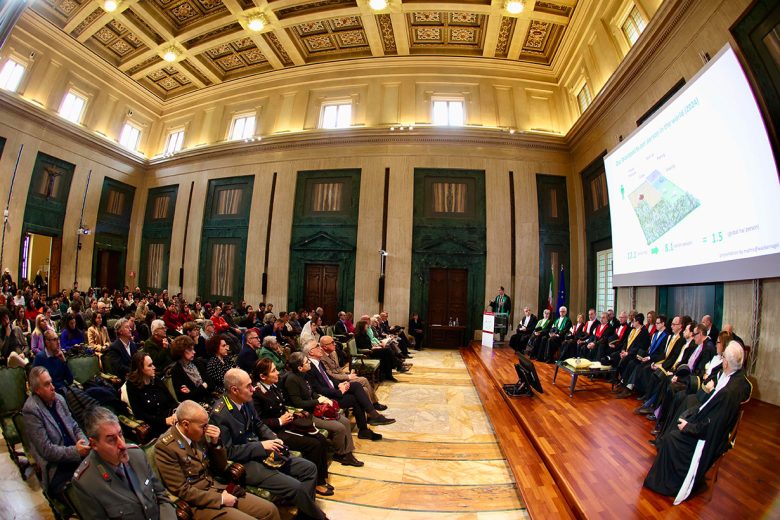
(369, 136)
(655, 35)
(53, 122)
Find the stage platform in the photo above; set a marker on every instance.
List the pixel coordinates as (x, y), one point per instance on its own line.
(586, 456)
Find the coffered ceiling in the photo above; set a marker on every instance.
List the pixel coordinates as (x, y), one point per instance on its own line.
(213, 43)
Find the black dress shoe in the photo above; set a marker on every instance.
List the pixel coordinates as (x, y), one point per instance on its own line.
(348, 459)
(327, 493)
(380, 407)
(368, 434)
(380, 420)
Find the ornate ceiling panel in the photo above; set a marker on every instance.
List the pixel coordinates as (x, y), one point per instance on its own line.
(213, 43)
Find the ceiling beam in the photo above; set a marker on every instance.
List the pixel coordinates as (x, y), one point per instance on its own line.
(518, 38)
(104, 19)
(491, 28)
(400, 33)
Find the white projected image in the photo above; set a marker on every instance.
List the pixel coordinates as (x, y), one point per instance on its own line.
(696, 184)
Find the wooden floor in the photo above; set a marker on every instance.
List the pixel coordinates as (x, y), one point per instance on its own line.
(587, 456)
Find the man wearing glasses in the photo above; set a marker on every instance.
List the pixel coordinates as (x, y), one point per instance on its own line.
(330, 361)
(248, 356)
(52, 359)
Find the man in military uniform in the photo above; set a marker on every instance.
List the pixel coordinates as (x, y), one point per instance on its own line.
(115, 479)
(184, 465)
(250, 442)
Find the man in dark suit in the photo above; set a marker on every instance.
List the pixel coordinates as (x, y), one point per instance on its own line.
(712, 330)
(340, 328)
(247, 358)
(250, 442)
(121, 351)
(56, 439)
(524, 330)
(617, 340)
(116, 480)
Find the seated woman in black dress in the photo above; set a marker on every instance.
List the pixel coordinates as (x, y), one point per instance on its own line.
(385, 356)
(269, 405)
(300, 395)
(187, 380)
(150, 400)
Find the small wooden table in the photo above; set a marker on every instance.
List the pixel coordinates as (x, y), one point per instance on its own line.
(575, 373)
(445, 336)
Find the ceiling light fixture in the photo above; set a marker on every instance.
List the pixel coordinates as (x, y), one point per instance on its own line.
(110, 6)
(256, 23)
(377, 5)
(170, 55)
(514, 6)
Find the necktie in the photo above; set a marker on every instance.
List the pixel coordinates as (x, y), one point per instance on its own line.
(325, 374)
(124, 476)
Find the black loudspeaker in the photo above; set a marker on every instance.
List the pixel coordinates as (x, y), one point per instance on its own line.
(527, 379)
(264, 284)
(381, 289)
(181, 277)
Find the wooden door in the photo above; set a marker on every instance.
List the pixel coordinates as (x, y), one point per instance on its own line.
(55, 259)
(447, 296)
(108, 268)
(321, 286)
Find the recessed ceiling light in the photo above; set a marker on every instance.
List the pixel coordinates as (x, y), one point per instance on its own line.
(377, 5)
(515, 6)
(110, 5)
(256, 24)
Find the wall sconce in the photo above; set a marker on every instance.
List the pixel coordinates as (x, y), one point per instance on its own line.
(514, 6)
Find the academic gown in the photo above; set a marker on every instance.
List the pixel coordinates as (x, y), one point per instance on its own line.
(708, 428)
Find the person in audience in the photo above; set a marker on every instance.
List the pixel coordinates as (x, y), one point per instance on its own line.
(36, 338)
(172, 320)
(157, 346)
(349, 394)
(21, 320)
(219, 362)
(97, 334)
(336, 373)
(149, 398)
(552, 343)
(387, 361)
(540, 332)
(53, 360)
(57, 442)
(416, 329)
(13, 346)
(301, 395)
(296, 430)
(524, 330)
(247, 358)
(249, 441)
(310, 331)
(89, 314)
(221, 325)
(115, 479)
(121, 350)
(188, 382)
(686, 452)
(395, 332)
(712, 330)
(71, 334)
(187, 466)
(569, 344)
(273, 351)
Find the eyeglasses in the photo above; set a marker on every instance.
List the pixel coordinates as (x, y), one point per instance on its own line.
(251, 337)
(326, 344)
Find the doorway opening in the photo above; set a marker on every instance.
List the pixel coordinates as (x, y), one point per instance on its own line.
(41, 262)
(321, 289)
(108, 274)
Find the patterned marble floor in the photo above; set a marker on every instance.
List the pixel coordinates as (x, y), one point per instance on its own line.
(439, 461)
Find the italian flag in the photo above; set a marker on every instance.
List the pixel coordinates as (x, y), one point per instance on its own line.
(550, 291)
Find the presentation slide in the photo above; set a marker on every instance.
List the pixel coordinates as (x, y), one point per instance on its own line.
(694, 193)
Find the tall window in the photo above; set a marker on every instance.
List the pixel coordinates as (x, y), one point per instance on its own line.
(243, 127)
(584, 98)
(174, 142)
(73, 107)
(448, 113)
(155, 263)
(130, 136)
(11, 75)
(605, 294)
(336, 115)
(633, 25)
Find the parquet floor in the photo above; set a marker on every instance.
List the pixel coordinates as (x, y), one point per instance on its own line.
(596, 453)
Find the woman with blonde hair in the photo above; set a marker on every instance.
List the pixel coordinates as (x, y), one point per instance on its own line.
(36, 338)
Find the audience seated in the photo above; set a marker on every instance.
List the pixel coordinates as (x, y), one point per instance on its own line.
(188, 465)
(273, 351)
(337, 374)
(56, 439)
(13, 346)
(122, 349)
(387, 360)
(97, 334)
(53, 360)
(115, 480)
(219, 362)
(250, 442)
(157, 347)
(247, 358)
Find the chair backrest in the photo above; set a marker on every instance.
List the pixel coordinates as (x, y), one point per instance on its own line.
(352, 346)
(13, 390)
(84, 367)
(329, 330)
(168, 382)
